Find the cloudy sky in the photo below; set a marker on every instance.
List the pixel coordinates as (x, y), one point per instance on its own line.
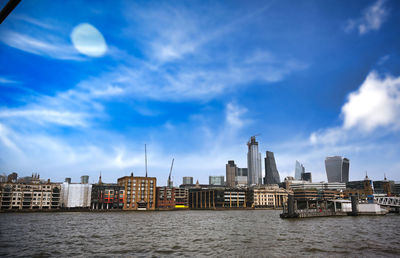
(85, 84)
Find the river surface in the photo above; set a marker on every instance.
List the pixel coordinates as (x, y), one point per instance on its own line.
(241, 233)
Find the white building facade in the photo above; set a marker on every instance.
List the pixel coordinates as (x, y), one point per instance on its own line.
(76, 195)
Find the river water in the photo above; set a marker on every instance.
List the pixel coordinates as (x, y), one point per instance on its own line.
(240, 233)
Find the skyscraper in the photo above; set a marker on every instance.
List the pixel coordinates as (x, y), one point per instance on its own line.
(271, 172)
(299, 170)
(231, 171)
(254, 163)
(337, 169)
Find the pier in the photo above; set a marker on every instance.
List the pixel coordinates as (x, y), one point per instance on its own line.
(328, 208)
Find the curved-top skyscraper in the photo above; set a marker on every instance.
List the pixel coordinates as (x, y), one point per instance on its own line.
(337, 169)
(254, 163)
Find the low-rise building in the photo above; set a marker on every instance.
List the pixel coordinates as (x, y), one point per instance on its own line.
(181, 198)
(300, 184)
(165, 198)
(36, 195)
(206, 198)
(76, 195)
(218, 198)
(384, 187)
(140, 192)
(235, 198)
(315, 194)
(396, 188)
(362, 189)
(269, 196)
(107, 196)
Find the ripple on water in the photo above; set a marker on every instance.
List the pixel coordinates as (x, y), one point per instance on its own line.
(195, 233)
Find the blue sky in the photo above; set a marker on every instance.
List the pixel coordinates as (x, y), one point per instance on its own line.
(85, 84)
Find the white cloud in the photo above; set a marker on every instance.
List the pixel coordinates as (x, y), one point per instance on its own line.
(4, 80)
(191, 80)
(375, 104)
(234, 115)
(41, 116)
(43, 44)
(330, 136)
(372, 18)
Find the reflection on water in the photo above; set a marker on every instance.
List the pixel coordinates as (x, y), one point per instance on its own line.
(195, 233)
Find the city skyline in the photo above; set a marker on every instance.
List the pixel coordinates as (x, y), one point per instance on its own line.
(196, 86)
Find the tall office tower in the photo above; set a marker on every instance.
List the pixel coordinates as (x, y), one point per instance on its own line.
(216, 180)
(271, 172)
(231, 170)
(254, 163)
(187, 180)
(337, 169)
(299, 169)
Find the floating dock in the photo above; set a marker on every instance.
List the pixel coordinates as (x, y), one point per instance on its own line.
(328, 208)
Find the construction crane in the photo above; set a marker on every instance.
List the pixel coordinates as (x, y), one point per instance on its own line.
(252, 139)
(170, 183)
(8, 9)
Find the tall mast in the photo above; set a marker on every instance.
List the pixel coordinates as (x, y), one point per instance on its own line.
(145, 157)
(169, 183)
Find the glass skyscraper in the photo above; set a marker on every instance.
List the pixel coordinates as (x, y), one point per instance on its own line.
(254, 163)
(271, 172)
(337, 169)
(299, 170)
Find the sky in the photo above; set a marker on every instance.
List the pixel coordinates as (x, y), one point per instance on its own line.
(84, 85)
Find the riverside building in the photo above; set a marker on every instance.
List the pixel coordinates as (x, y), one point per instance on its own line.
(36, 195)
(337, 169)
(140, 192)
(384, 187)
(218, 198)
(107, 196)
(269, 196)
(254, 162)
(362, 189)
(181, 198)
(165, 198)
(318, 186)
(76, 195)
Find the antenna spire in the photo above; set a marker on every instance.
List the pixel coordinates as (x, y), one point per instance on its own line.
(145, 157)
(169, 183)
